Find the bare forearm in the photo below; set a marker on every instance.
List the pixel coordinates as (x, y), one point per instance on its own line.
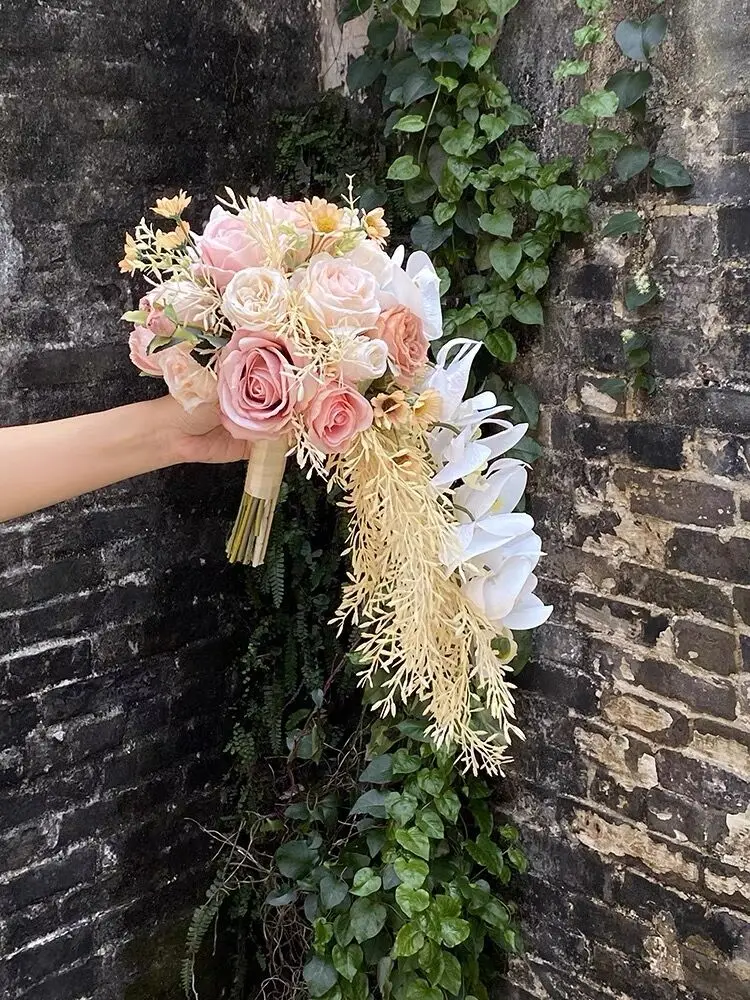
(45, 463)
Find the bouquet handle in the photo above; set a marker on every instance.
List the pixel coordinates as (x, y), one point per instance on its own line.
(248, 541)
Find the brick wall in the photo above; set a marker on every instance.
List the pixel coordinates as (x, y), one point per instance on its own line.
(633, 790)
(116, 611)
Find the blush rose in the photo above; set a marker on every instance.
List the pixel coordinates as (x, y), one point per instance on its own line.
(227, 247)
(257, 393)
(336, 414)
(188, 381)
(404, 334)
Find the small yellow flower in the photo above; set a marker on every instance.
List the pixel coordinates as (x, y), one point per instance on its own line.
(170, 241)
(129, 262)
(391, 409)
(375, 226)
(406, 461)
(172, 208)
(324, 216)
(427, 408)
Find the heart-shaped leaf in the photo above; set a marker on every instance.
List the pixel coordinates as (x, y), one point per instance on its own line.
(622, 223)
(505, 258)
(631, 161)
(629, 85)
(669, 172)
(501, 345)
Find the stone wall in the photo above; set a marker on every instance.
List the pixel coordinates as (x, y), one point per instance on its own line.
(117, 613)
(633, 790)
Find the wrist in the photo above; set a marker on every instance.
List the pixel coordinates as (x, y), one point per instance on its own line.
(162, 435)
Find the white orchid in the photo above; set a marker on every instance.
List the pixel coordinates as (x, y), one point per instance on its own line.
(497, 493)
(528, 611)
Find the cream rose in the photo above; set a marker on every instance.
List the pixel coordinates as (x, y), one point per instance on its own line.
(362, 359)
(257, 298)
(194, 304)
(188, 381)
(335, 294)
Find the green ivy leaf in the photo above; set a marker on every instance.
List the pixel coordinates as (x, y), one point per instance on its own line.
(501, 7)
(571, 67)
(411, 6)
(403, 809)
(418, 85)
(629, 85)
(347, 961)
(409, 941)
(451, 975)
(419, 190)
(499, 223)
(411, 871)
(457, 141)
(295, 859)
(353, 8)
(528, 310)
(405, 763)
(379, 771)
(375, 840)
(517, 858)
(614, 387)
(670, 173)
(589, 34)
(403, 169)
(638, 39)
(479, 55)
(281, 897)
(363, 72)
(418, 989)
(448, 83)
(505, 258)
(342, 929)
(410, 123)
(427, 235)
(432, 782)
(444, 211)
(622, 223)
(532, 276)
(319, 975)
(502, 345)
(493, 126)
(371, 803)
(454, 930)
(527, 450)
(429, 821)
(332, 891)
(365, 882)
(322, 934)
(411, 900)
(382, 32)
(414, 841)
(631, 161)
(448, 805)
(528, 403)
(367, 918)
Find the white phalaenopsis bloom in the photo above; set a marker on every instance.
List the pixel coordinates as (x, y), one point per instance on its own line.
(494, 549)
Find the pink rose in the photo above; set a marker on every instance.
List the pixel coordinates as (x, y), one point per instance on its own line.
(257, 392)
(404, 334)
(188, 381)
(335, 416)
(227, 247)
(140, 338)
(157, 322)
(335, 294)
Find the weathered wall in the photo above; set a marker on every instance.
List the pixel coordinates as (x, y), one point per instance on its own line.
(116, 610)
(634, 788)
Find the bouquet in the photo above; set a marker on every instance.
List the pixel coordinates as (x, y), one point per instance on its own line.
(293, 320)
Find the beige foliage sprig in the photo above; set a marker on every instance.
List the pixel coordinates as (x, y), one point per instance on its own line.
(421, 639)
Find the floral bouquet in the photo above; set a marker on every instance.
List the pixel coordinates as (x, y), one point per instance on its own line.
(313, 342)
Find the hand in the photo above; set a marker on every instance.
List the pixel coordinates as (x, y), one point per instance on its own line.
(199, 436)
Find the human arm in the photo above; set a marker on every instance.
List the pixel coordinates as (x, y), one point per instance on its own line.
(45, 463)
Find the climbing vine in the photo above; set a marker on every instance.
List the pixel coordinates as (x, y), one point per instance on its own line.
(628, 154)
(359, 863)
